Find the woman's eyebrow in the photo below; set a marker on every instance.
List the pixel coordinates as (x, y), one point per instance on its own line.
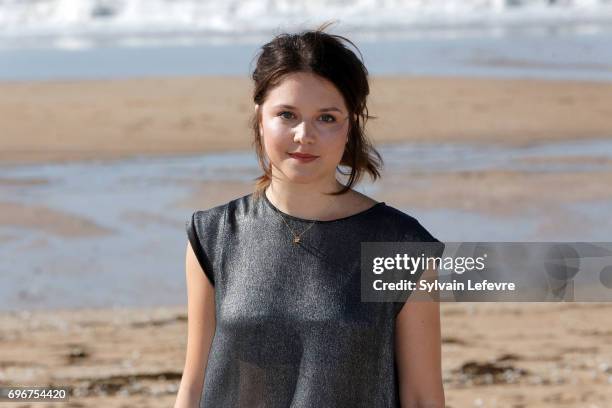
(333, 108)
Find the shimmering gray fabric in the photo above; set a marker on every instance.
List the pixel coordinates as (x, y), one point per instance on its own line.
(291, 330)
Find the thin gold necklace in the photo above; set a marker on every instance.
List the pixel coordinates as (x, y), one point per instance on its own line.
(297, 237)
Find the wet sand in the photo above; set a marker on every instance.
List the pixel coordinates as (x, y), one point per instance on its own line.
(497, 192)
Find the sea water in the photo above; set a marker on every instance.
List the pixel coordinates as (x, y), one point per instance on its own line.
(142, 262)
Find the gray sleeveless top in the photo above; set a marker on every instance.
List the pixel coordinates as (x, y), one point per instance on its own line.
(291, 330)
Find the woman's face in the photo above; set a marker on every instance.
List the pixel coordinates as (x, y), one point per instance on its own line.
(304, 114)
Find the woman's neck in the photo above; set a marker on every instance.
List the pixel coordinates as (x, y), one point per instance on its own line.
(306, 200)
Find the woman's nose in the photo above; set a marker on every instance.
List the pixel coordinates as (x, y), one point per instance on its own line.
(304, 133)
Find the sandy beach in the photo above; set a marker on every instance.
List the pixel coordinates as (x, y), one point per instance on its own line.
(494, 355)
(71, 120)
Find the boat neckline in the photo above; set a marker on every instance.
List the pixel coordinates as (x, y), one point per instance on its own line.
(362, 212)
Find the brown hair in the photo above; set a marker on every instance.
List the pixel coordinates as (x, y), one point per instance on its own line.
(326, 56)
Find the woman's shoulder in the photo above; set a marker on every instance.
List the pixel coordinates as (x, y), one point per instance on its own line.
(234, 203)
(236, 207)
(391, 219)
(408, 226)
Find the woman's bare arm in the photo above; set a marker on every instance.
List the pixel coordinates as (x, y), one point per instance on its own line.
(200, 331)
(418, 353)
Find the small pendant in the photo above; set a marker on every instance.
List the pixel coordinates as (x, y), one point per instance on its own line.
(296, 240)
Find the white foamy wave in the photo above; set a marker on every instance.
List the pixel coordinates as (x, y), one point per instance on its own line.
(85, 23)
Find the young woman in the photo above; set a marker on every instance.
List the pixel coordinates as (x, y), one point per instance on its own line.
(273, 277)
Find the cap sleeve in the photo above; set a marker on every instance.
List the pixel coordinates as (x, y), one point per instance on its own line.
(204, 229)
(433, 248)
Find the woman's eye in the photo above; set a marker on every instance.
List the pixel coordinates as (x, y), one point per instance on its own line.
(328, 118)
(284, 113)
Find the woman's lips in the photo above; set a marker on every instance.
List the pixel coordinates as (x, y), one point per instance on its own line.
(302, 158)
